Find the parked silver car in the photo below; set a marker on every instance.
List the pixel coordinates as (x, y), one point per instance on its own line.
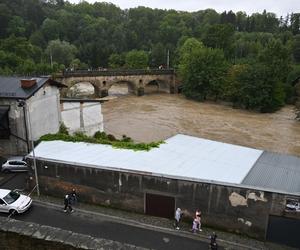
(14, 164)
(13, 202)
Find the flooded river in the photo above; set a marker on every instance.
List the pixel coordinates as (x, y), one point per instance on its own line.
(156, 117)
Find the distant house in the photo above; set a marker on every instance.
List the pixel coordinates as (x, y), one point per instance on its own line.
(29, 108)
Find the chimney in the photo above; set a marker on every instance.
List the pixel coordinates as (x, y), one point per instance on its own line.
(28, 83)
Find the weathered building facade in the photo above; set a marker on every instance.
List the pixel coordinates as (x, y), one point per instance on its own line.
(239, 208)
(27, 112)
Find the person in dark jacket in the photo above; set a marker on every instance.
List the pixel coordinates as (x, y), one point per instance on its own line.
(213, 241)
(67, 203)
(73, 197)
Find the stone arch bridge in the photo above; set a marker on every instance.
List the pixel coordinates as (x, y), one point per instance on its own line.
(136, 80)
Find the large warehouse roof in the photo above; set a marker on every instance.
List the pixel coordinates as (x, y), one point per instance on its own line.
(182, 156)
(275, 171)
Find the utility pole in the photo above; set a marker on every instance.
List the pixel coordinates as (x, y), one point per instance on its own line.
(51, 62)
(28, 121)
(168, 59)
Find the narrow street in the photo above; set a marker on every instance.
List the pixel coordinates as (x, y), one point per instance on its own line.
(102, 227)
(98, 225)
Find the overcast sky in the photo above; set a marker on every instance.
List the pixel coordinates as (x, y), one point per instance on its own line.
(280, 7)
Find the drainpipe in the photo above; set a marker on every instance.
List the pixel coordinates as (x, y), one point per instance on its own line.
(26, 130)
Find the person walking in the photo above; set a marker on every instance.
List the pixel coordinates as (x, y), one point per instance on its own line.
(195, 226)
(198, 218)
(73, 197)
(178, 215)
(213, 241)
(67, 204)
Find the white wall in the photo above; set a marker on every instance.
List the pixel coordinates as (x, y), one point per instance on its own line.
(85, 117)
(44, 111)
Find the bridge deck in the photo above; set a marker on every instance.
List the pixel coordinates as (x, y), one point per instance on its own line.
(119, 72)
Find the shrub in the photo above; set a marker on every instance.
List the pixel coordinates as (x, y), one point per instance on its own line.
(63, 129)
(102, 138)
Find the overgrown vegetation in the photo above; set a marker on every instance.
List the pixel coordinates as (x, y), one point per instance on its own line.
(101, 138)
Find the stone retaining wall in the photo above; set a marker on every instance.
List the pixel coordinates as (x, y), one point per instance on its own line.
(22, 235)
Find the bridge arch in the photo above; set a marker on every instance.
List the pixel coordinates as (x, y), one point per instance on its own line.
(157, 85)
(74, 83)
(112, 86)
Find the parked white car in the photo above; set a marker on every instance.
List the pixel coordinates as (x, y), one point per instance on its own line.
(293, 206)
(14, 202)
(14, 164)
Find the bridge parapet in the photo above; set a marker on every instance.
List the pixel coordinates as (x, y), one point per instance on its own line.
(119, 72)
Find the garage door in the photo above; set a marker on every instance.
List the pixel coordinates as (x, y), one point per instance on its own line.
(284, 231)
(160, 205)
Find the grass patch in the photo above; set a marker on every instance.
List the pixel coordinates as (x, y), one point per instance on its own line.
(102, 138)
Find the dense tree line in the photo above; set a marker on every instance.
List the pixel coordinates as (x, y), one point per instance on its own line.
(250, 60)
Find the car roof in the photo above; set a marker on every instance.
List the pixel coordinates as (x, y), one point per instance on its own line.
(4, 192)
(16, 158)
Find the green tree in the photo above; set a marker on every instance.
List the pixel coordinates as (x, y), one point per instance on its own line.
(296, 48)
(16, 26)
(116, 61)
(158, 55)
(50, 29)
(137, 59)
(61, 52)
(220, 36)
(203, 72)
(260, 90)
(277, 58)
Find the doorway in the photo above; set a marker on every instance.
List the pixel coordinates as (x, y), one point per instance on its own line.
(160, 205)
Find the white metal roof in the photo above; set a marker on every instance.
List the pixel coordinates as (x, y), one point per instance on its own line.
(182, 156)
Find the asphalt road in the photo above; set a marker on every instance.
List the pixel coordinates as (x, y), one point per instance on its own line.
(103, 227)
(98, 225)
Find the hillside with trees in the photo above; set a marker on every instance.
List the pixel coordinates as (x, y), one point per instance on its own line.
(249, 60)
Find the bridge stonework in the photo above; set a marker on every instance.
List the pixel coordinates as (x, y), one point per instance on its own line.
(136, 80)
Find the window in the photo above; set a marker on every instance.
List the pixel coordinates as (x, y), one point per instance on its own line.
(4, 122)
(2, 202)
(11, 197)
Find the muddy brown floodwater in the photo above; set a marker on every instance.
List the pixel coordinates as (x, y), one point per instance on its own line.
(158, 116)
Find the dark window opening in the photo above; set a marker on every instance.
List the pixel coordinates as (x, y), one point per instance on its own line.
(4, 122)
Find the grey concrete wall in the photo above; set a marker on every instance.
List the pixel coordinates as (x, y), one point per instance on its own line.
(84, 117)
(22, 235)
(235, 209)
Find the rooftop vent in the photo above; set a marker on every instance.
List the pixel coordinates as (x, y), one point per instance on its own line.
(28, 83)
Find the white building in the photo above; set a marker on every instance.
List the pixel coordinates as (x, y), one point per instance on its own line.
(29, 108)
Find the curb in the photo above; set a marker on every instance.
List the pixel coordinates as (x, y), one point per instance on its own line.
(130, 222)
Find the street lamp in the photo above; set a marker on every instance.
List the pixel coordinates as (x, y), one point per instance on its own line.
(22, 103)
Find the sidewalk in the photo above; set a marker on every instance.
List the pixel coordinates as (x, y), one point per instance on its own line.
(226, 240)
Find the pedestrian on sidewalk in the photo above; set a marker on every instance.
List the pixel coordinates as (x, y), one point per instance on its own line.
(73, 197)
(198, 218)
(67, 204)
(178, 215)
(195, 226)
(213, 241)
